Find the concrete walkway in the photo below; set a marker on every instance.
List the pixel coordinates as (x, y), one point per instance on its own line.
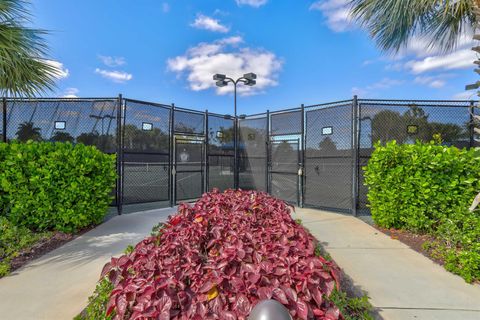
(401, 283)
(57, 285)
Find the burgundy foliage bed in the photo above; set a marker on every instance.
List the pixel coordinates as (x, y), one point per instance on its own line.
(218, 258)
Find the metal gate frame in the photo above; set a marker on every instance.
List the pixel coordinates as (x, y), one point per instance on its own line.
(298, 142)
(175, 171)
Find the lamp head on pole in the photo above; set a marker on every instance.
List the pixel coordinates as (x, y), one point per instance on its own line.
(250, 76)
(221, 83)
(219, 77)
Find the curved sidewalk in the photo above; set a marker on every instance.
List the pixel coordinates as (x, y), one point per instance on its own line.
(57, 285)
(401, 283)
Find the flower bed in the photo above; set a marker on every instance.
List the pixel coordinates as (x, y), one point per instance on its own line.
(220, 257)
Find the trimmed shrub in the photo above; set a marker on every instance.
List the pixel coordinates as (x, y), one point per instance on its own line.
(428, 188)
(59, 186)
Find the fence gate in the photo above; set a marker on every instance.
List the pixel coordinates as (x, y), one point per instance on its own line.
(329, 155)
(146, 152)
(285, 160)
(189, 169)
(283, 170)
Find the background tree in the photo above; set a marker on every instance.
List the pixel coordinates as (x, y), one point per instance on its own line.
(327, 145)
(61, 136)
(27, 131)
(24, 70)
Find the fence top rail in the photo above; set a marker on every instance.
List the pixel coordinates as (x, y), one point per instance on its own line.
(219, 115)
(154, 104)
(188, 110)
(289, 110)
(253, 116)
(61, 99)
(439, 103)
(334, 103)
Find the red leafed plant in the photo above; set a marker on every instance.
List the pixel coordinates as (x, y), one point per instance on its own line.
(217, 259)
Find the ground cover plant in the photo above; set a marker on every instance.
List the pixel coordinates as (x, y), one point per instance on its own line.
(47, 189)
(427, 188)
(216, 260)
(13, 240)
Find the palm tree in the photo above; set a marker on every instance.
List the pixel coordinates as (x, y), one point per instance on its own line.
(392, 23)
(27, 131)
(23, 67)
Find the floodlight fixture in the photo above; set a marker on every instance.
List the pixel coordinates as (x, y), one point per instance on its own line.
(250, 76)
(219, 77)
(250, 83)
(221, 83)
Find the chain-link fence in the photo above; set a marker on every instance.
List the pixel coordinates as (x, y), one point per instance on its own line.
(309, 156)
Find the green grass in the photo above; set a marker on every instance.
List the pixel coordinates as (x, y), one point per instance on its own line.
(13, 240)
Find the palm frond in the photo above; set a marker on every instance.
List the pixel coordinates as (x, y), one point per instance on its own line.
(392, 23)
(24, 70)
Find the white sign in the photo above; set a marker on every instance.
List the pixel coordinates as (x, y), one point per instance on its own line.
(326, 131)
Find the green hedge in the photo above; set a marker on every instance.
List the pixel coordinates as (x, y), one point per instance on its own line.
(55, 186)
(428, 188)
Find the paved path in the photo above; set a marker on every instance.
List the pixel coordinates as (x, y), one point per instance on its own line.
(57, 285)
(401, 283)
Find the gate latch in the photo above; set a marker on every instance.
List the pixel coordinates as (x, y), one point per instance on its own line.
(300, 171)
(174, 171)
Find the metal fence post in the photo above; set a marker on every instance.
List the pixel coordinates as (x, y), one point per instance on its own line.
(472, 124)
(4, 115)
(207, 162)
(355, 155)
(302, 159)
(172, 156)
(267, 146)
(120, 161)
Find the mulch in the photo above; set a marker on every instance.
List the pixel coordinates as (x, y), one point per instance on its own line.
(44, 246)
(414, 241)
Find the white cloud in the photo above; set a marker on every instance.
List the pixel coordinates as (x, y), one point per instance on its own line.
(432, 82)
(115, 76)
(61, 72)
(465, 95)
(165, 7)
(208, 23)
(252, 3)
(383, 84)
(459, 59)
(224, 56)
(337, 13)
(397, 66)
(70, 93)
(111, 61)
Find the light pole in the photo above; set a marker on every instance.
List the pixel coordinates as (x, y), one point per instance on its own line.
(248, 79)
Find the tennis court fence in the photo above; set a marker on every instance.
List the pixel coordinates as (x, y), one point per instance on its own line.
(310, 156)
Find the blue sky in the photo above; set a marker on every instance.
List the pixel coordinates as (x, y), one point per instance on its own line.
(303, 51)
